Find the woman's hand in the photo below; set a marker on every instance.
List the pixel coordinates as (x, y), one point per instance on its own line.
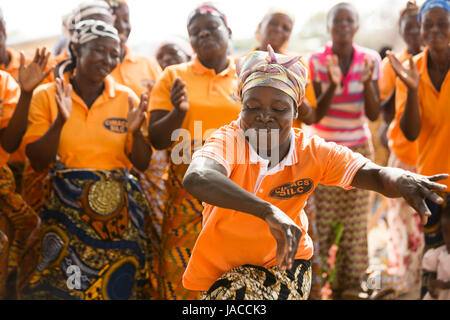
(415, 188)
(179, 96)
(409, 76)
(367, 72)
(286, 233)
(63, 99)
(334, 71)
(136, 116)
(31, 76)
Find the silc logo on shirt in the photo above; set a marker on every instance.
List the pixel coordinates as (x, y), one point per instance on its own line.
(116, 125)
(292, 189)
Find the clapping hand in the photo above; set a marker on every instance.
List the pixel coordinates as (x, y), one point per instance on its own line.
(178, 95)
(136, 116)
(409, 75)
(63, 99)
(334, 71)
(31, 76)
(369, 67)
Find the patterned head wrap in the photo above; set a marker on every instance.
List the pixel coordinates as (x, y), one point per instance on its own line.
(89, 30)
(430, 4)
(268, 69)
(83, 32)
(207, 8)
(87, 9)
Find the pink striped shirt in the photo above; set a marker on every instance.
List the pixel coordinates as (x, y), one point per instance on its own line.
(345, 123)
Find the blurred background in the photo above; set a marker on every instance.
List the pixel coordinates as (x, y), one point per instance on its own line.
(32, 23)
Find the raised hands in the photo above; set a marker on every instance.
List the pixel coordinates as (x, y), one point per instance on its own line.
(31, 76)
(287, 234)
(136, 116)
(63, 99)
(179, 96)
(369, 67)
(409, 75)
(334, 71)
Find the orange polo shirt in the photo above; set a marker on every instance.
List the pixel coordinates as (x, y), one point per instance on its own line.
(432, 142)
(9, 96)
(229, 238)
(212, 97)
(134, 71)
(403, 149)
(94, 138)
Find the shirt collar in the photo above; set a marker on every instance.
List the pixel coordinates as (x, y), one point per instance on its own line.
(200, 69)
(109, 91)
(290, 159)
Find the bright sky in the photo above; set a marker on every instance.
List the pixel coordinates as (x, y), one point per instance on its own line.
(155, 20)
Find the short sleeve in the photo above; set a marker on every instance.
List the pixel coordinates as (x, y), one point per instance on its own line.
(225, 146)
(430, 260)
(10, 96)
(339, 164)
(39, 116)
(160, 96)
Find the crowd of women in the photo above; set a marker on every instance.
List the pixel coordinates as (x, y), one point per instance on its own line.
(199, 174)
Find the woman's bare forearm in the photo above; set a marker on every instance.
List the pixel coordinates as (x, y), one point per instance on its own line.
(214, 187)
(371, 100)
(160, 129)
(410, 121)
(42, 152)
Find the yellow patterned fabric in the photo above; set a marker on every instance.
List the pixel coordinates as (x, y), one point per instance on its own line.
(17, 222)
(153, 183)
(92, 244)
(181, 226)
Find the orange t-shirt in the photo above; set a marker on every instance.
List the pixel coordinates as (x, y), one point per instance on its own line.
(95, 138)
(213, 100)
(9, 96)
(229, 238)
(433, 155)
(403, 149)
(134, 71)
